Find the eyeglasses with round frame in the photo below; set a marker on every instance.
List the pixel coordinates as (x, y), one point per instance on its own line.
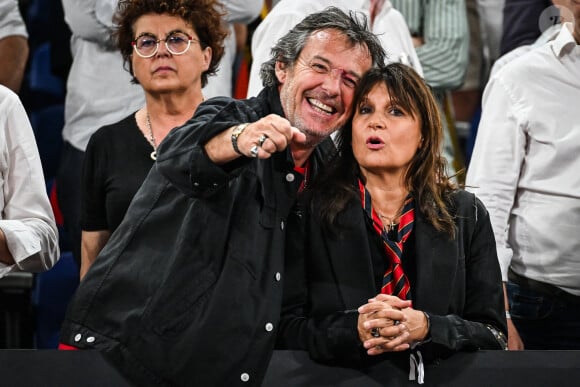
(177, 43)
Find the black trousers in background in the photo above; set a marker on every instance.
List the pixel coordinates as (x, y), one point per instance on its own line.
(546, 318)
(16, 319)
(68, 190)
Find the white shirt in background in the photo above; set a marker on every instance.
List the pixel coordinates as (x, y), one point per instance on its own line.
(26, 217)
(525, 165)
(11, 22)
(99, 90)
(389, 25)
(238, 11)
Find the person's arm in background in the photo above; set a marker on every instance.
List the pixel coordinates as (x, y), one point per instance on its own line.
(91, 20)
(445, 36)
(93, 218)
(392, 29)
(272, 28)
(92, 242)
(242, 11)
(238, 12)
(494, 171)
(29, 239)
(13, 45)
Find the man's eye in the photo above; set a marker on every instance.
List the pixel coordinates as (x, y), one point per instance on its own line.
(319, 68)
(349, 82)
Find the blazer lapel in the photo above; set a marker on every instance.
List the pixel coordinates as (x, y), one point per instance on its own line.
(350, 259)
(436, 257)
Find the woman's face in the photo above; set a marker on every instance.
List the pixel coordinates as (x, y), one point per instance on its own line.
(165, 72)
(384, 136)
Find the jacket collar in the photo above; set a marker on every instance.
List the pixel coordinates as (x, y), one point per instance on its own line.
(269, 97)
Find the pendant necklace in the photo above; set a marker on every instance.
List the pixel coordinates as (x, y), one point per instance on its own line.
(151, 139)
(390, 225)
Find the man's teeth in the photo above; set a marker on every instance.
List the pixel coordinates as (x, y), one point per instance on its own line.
(321, 106)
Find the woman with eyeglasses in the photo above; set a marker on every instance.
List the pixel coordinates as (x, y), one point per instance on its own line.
(170, 48)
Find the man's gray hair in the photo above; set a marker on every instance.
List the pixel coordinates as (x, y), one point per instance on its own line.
(353, 25)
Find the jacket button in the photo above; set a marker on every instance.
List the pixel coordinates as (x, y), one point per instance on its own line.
(278, 276)
(78, 337)
(196, 184)
(290, 177)
(90, 339)
(269, 327)
(282, 225)
(244, 377)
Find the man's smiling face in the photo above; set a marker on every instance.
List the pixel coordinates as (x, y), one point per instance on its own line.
(317, 90)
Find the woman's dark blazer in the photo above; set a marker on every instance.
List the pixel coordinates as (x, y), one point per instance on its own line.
(458, 283)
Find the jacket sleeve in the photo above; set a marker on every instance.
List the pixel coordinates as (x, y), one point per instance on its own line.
(483, 309)
(332, 338)
(181, 155)
(500, 149)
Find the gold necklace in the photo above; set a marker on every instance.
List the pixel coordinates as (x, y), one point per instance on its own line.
(151, 139)
(390, 224)
(391, 220)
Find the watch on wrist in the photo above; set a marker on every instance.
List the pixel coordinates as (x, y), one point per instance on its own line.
(235, 134)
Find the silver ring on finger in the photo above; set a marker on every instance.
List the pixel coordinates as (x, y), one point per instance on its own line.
(262, 140)
(254, 151)
(376, 332)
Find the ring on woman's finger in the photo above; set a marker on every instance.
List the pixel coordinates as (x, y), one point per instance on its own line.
(262, 140)
(254, 151)
(375, 332)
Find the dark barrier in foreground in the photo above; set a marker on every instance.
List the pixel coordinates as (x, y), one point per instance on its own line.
(49, 368)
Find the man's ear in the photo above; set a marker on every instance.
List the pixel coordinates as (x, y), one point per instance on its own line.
(281, 69)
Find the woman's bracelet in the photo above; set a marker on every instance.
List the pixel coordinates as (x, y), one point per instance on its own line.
(427, 335)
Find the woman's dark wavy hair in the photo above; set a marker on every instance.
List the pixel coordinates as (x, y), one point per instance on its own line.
(426, 176)
(204, 16)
